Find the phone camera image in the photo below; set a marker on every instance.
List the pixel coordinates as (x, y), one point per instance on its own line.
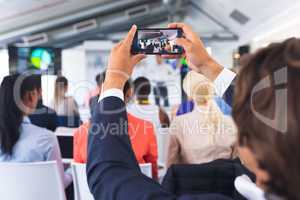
(158, 41)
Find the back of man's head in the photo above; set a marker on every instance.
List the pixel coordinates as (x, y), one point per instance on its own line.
(142, 87)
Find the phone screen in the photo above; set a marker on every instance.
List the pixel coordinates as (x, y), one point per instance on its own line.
(157, 41)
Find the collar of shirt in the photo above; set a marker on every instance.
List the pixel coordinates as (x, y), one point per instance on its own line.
(26, 120)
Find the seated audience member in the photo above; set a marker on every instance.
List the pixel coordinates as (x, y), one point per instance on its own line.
(65, 106)
(267, 118)
(94, 100)
(141, 133)
(43, 116)
(142, 107)
(205, 134)
(20, 140)
(94, 92)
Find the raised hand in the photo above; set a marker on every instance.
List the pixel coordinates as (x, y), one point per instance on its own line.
(121, 62)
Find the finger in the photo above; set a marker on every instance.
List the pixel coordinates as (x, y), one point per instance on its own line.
(129, 38)
(119, 44)
(187, 30)
(183, 26)
(176, 25)
(186, 44)
(137, 58)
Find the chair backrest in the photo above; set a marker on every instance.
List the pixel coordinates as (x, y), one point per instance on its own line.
(64, 131)
(31, 181)
(146, 169)
(81, 188)
(162, 142)
(68, 121)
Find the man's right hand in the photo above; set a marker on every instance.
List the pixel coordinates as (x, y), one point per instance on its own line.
(121, 63)
(195, 52)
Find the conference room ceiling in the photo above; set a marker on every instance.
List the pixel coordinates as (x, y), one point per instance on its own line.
(65, 23)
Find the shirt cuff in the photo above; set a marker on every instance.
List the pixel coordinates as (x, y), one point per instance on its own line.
(112, 93)
(223, 81)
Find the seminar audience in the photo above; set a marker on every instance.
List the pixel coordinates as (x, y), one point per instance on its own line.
(43, 116)
(142, 107)
(141, 133)
(20, 140)
(205, 134)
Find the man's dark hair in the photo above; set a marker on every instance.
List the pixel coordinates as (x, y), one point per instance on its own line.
(127, 86)
(142, 87)
(100, 78)
(37, 81)
(277, 151)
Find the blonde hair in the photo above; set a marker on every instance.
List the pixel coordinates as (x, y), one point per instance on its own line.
(202, 91)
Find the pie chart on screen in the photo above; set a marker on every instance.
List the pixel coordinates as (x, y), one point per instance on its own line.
(41, 59)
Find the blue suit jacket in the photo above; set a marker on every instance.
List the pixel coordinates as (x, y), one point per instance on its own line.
(112, 170)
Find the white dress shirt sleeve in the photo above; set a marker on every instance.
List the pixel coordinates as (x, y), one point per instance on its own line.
(223, 81)
(114, 92)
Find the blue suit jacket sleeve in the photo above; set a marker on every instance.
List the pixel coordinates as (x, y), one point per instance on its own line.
(228, 95)
(112, 170)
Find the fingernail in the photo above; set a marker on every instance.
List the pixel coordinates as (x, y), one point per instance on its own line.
(133, 26)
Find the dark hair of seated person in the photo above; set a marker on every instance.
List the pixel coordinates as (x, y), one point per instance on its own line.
(142, 90)
(11, 115)
(275, 148)
(100, 78)
(126, 89)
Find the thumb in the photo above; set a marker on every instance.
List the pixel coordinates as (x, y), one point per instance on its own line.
(137, 58)
(186, 44)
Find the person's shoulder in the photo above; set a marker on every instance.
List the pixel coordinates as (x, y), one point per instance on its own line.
(49, 110)
(43, 131)
(134, 119)
(41, 135)
(70, 98)
(83, 128)
(185, 116)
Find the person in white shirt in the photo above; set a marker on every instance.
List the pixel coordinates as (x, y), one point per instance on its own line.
(62, 104)
(21, 141)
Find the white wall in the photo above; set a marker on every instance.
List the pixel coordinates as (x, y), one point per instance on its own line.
(4, 69)
(222, 52)
(74, 69)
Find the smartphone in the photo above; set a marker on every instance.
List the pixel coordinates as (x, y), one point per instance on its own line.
(157, 41)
